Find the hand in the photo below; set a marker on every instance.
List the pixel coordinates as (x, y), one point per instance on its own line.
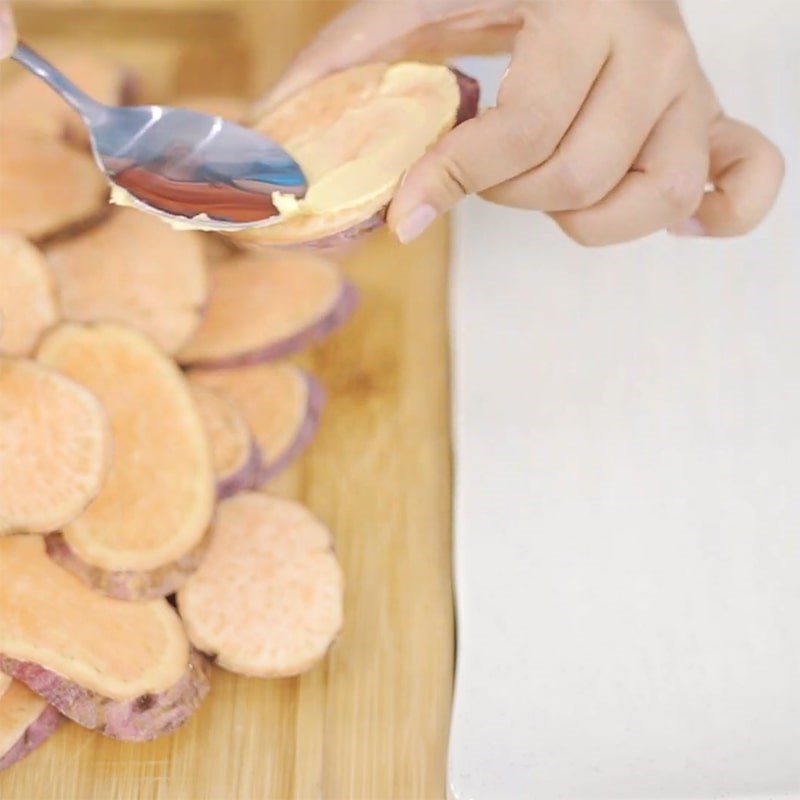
(8, 33)
(604, 119)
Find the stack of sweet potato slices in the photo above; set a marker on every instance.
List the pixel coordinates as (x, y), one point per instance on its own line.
(147, 399)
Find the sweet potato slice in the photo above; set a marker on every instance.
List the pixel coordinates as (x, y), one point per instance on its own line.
(28, 104)
(55, 446)
(236, 456)
(218, 105)
(265, 307)
(157, 501)
(27, 299)
(124, 669)
(134, 270)
(267, 599)
(46, 186)
(355, 133)
(26, 720)
(280, 403)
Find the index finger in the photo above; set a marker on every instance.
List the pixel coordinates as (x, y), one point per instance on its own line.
(374, 30)
(8, 31)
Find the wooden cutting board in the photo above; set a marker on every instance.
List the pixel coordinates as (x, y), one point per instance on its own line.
(371, 722)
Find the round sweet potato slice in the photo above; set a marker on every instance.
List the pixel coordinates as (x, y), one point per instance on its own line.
(267, 599)
(26, 721)
(55, 447)
(135, 270)
(280, 403)
(28, 104)
(124, 669)
(266, 307)
(46, 186)
(354, 134)
(157, 501)
(218, 105)
(234, 451)
(27, 299)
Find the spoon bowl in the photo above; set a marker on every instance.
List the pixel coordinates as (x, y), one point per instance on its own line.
(181, 164)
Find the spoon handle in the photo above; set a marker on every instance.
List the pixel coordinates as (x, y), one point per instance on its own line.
(89, 109)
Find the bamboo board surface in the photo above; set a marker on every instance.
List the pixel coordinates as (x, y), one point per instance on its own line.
(371, 722)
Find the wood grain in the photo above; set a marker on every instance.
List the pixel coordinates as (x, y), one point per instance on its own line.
(371, 722)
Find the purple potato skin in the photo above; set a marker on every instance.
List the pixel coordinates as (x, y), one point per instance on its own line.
(316, 400)
(468, 108)
(138, 720)
(126, 584)
(41, 729)
(243, 478)
(344, 305)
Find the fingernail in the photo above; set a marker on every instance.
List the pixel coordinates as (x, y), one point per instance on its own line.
(414, 223)
(689, 227)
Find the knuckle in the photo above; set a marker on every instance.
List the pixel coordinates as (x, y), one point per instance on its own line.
(453, 175)
(528, 136)
(579, 186)
(739, 218)
(776, 160)
(575, 227)
(681, 191)
(673, 51)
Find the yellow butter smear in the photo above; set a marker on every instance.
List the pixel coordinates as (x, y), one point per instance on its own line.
(367, 150)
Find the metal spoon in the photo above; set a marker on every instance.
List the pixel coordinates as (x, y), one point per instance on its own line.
(177, 163)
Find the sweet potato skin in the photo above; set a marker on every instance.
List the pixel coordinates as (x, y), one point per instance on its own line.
(338, 314)
(138, 720)
(243, 479)
(273, 458)
(42, 728)
(307, 431)
(126, 585)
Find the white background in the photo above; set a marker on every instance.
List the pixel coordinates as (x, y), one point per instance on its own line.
(628, 485)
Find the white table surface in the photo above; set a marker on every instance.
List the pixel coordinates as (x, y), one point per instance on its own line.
(627, 429)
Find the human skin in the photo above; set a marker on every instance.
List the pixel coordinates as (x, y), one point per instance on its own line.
(8, 33)
(604, 119)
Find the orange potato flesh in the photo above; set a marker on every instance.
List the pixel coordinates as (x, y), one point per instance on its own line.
(267, 599)
(27, 103)
(55, 447)
(27, 299)
(272, 398)
(225, 106)
(45, 185)
(134, 270)
(259, 301)
(354, 134)
(159, 495)
(228, 434)
(47, 616)
(19, 709)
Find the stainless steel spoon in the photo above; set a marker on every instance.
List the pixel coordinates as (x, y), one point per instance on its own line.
(178, 163)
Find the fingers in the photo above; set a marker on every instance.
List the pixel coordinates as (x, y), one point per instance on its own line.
(665, 186)
(8, 32)
(354, 36)
(601, 144)
(747, 171)
(374, 30)
(531, 117)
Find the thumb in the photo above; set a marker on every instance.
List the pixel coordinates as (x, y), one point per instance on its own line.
(473, 157)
